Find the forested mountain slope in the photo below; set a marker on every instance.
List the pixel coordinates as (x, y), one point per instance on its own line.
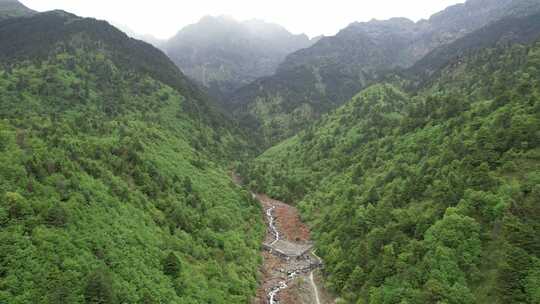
(425, 196)
(314, 80)
(223, 54)
(114, 187)
(13, 8)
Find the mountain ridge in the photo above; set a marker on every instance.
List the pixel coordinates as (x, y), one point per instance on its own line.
(407, 188)
(506, 31)
(13, 8)
(313, 80)
(223, 54)
(138, 55)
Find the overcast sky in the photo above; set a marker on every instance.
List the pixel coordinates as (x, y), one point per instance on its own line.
(163, 18)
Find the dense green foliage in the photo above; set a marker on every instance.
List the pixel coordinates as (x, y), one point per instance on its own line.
(113, 188)
(422, 189)
(425, 196)
(35, 38)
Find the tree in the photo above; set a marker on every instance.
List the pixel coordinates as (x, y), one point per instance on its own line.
(18, 207)
(172, 265)
(99, 288)
(57, 216)
(481, 178)
(148, 298)
(4, 216)
(460, 234)
(188, 185)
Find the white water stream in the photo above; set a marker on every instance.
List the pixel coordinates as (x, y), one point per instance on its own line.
(283, 284)
(271, 224)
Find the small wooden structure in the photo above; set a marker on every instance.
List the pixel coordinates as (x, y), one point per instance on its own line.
(288, 250)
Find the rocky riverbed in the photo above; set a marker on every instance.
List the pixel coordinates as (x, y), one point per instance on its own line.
(288, 279)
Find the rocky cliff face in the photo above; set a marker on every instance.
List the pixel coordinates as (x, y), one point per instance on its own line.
(507, 31)
(461, 19)
(223, 54)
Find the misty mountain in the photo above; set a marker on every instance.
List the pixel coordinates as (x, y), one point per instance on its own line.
(315, 80)
(504, 32)
(13, 8)
(148, 38)
(224, 54)
(461, 19)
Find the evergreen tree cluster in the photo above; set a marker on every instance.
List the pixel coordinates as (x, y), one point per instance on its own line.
(425, 195)
(114, 190)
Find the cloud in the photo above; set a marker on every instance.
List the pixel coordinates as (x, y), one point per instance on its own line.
(163, 18)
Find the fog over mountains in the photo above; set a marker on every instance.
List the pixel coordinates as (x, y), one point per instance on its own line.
(224, 54)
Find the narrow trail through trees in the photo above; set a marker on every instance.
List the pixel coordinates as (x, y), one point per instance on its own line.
(315, 289)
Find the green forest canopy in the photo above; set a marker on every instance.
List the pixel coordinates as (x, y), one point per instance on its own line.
(113, 192)
(429, 195)
(115, 186)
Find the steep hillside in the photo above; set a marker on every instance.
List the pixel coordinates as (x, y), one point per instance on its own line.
(314, 80)
(25, 42)
(461, 19)
(13, 8)
(223, 54)
(427, 196)
(114, 187)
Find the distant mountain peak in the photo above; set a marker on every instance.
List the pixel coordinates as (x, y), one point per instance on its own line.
(62, 13)
(13, 8)
(216, 19)
(314, 80)
(224, 54)
(10, 1)
(222, 17)
(392, 21)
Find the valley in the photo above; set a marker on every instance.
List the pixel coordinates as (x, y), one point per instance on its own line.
(396, 161)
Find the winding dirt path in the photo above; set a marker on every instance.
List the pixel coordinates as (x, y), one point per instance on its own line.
(314, 286)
